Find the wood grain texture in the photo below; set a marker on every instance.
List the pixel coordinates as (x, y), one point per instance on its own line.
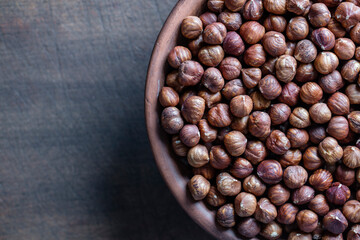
(75, 159)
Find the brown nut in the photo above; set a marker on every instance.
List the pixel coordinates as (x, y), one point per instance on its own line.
(355, 33)
(185, 95)
(332, 82)
(297, 137)
(290, 48)
(300, 118)
(305, 51)
(241, 168)
(321, 179)
(275, 7)
(193, 109)
(191, 27)
(216, 5)
(259, 124)
(277, 142)
(251, 77)
(245, 204)
(213, 80)
(311, 93)
(287, 213)
(214, 198)
(171, 120)
(270, 87)
(211, 99)
(198, 156)
(351, 211)
(354, 120)
(319, 15)
(253, 10)
(348, 14)
(234, 5)
(344, 48)
(219, 116)
(306, 72)
(339, 104)
(225, 216)
(241, 106)
(330, 3)
(278, 194)
(345, 175)
(231, 20)
(330, 150)
(303, 195)
(255, 55)
(235, 143)
(295, 176)
(240, 124)
(317, 134)
(214, 33)
(227, 185)
(350, 70)
(274, 43)
(248, 227)
(291, 158)
(219, 159)
(265, 211)
(271, 231)
(207, 133)
(179, 148)
(338, 193)
(255, 152)
(279, 113)
(335, 222)
(190, 73)
(311, 159)
(319, 205)
(307, 220)
(275, 23)
(298, 7)
(195, 45)
(254, 185)
(211, 55)
(208, 18)
(290, 94)
(336, 28)
(299, 236)
(269, 66)
(285, 68)
(207, 171)
(320, 113)
(326, 62)
(233, 88)
(199, 187)
(354, 233)
(252, 32)
(297, 29)
(190, 135)
(338, 127)
(178, 55)
(351, 157)
(233, 44)
(168, 97)
(270, 171)
(260, 103)
(230, 68)
(172, 80)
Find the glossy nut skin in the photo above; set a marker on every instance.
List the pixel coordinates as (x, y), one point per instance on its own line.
(253, 10)
(231, 20)
(335, 222)
(251, 77)
(350, 70)
(331, 82)
(207, 171)
(255, 152)
(311, 93)
(178, 55)
(307, 220)
(274, 43)
(355, 33)
(216, 5)
(290, 48)
(300, 118)
(317, 134)
(230, 68)
(330, 150)
(252, 32)
(303, 195)
(351, 211)
(270, 87)
(285, 68)
(279, 113)
(245, 204)
(211, 55)
(311, 159)
(191, 27)
(171, 120)
(319, 205)
(265, 211)
(259, 124)
(260, 103)
(219, 159)
(193, 109)
(190, 135)
(179, 148)
(254, 185)
(326, 62)
(198, 156)
(305, 51)
(214, 198)
(319, 15)
(199, 187)
(278, 194)
(290, 94)
(320, 113)
(233, 44)
(275, 7)
(225, 215)
(269, 66)
(173, 81)
(344, 48)
(240, 124)
(207, 132)
(321, 179)
(227, 185)
(241, 168)
(323, 38)
(338, 193)
(255, 55)
(354, 233)
(233, 88)
(211, 99)
(297, 29)
(275, 23)
(287, 213)
(168, 97)
(208, 18)
(336, 28)
(234, 5)
(299, 236)
(249, 227)
(295, 177)
(291, 158)
(270, 171)
(277, 142)
(213, 80)
(306, 72)
(235, 143)
(347, 14)
(195, 45)
(354, 121)
(241, 106)
(339, 104)
(345, 175)
(190, 73)
(219, 116)
(271, 231)
(338, 127)
(298, 7)
(351, 157)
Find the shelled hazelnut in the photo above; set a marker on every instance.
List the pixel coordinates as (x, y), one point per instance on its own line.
(321, 179)
(251, 77)
(287, 213)
(305, 51)
(245, 204)
(233, 45)
(320, 113)
(350, 70)
(338, 127)
(249, 227)
(179, 148)
(319, 205)
(208, 18)
(319, 15)
(353, 93)
(354, 121)
(240, 124)
(190, 135)
(285, 68)
(207, 171)
(271, 231)
(317, 134)
(253, 10)
(299, 236)
(351, 211)
(300, 118)
(234, 5)
(295, 177)
(227, 185)
(254, 185)
(290, 94)
(291, 158)
(191, 27)
(265, 211)
(212, 55)
(335, 27)
(233, 88)
(255, 152)
(199, 187)
(230, 68)
(274, 43)
(242, 168)
(231, 20)
(307, 220)
(219, 116)
(225, 215)
(351, 157)
(235, 143)
(259, 124)
(354, 233)
(298, 7)
(345, 175)
(252, 32)
(279, 113)
(326, 62)
(260, 103)
(339, 104)
(335, 222)
(215, 5)
(275, 23)
(344, 48)
(303, 195)
(331, 82)
(241, 106)
(330, 150)
(338, 193)
(255, 55)
(269, 66)
(219, 159)
(270, 171)
(214, 198)
(297, 29)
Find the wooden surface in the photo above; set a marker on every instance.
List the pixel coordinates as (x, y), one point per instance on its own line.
(75, 160)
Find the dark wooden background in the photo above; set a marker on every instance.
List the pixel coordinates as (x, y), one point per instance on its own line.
(75, 161)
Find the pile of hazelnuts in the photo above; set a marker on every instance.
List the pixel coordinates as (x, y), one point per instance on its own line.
(263, 101)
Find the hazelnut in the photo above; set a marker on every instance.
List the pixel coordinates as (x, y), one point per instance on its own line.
(311, 93)
(350, 70)
(252, 32)
(193, 109)
(351, 157)
(214, 198)
(172, 80)
(230, 68)
(207, 133)
(291, 158)
(254, 185)
(344, 48)
(233, 88)
(326, 62)
(191, 27)
(274, 43)
(168, 97)
(171, 120)
(332, 82)
(241, 168)
(269, 87)
(271, 231)
(185, 95)
(275, 7)
(299, 236)
(253, 10)
(214, 33)
(231, 20)
(277, 142)
(275, 23)
(215, 5)
(259, 124)
(195, 45)
(255, 152)
(355, 33)
(190, 73)
(199, 187)
(269, 66)
(225, 216)
(298, 7)
(290, 48)
(351, 211)
(211, 99)
(260, 103)
(248, 227)
(211, 55)
(235, 143)
(319, 15)
(190, 135)
(300, 118)
(255, 55)
(348, 14)
(198, 156)
(213, 80)
(338, 127)
(335, 222)
(278, 194)
(285, 68)
(245, 204)
(270, 171)
(295, 176)
(338, 193)
(297, 137)
(354, 121)
(234, 5)
(241, 106)
(311, 159)
(207, 171)
(319, 205)
(233, 44)
(208, 18)
(178, 55)
(330, 236)
(336, 28)
(330, 3)
(251, 77)
(290, 94)
(227, 185)
(305, 51)
(345, 175)
(297, 29)
(179, 148)
(219, 159)
(240, 124)
(219, 116)
(353, 93)
(287, 213)
(339, 104)
(306, 72)
(330, 150)
(279, 113)
(317, 134)
(307, 220)
(320, 113)
(321, 179)
(265, 211)
(303, 195)
(354, 233)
